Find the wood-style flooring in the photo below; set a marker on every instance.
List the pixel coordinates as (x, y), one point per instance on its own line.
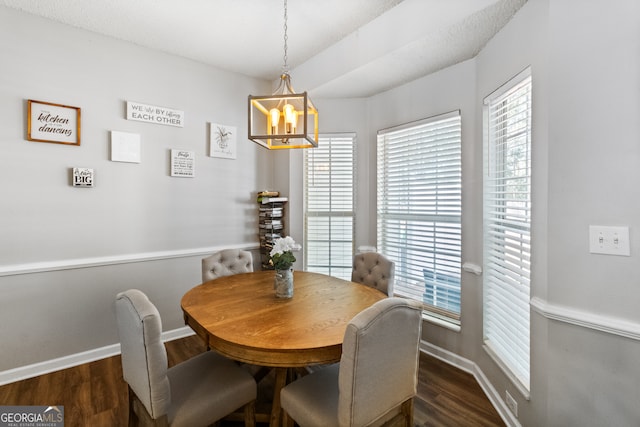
(94, 394)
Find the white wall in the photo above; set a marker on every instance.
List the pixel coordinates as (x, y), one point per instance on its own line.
(594, 126)
(586, 167)
(51, 308)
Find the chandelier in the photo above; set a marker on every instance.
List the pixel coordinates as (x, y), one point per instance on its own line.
(284, 119)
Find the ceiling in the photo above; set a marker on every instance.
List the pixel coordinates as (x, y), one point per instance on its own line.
(336, 48)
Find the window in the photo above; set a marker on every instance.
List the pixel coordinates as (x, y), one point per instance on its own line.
(419, 211)
(329, 200)
(507, 223)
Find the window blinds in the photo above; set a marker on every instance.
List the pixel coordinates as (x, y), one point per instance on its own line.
(419, 210)
(507, 224)
(329, 204)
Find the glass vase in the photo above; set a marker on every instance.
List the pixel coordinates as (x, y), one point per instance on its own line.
(283, 283)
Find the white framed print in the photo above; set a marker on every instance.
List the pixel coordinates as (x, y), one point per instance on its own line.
(125, 147)
(222, 141)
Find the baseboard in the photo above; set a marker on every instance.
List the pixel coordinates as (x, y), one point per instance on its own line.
(53, 365)
(472, 368)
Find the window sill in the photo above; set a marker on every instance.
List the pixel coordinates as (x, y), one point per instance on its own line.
(437, 321)
(519, 385)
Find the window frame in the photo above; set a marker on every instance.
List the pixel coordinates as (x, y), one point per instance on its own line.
(507, 228)
(348, 246)
(441, 222)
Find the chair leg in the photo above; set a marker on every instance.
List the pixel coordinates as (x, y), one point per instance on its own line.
(250, 414)
(287, 421)
(131, 415)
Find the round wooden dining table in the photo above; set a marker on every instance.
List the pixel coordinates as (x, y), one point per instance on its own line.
(240, 317)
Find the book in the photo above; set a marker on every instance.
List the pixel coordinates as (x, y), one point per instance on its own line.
(262, 195)
(273, 199)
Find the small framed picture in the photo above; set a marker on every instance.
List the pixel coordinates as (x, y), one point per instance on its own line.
(48, 122)
(82, 177)
(125, 147)
(183, 163)
(222, 142)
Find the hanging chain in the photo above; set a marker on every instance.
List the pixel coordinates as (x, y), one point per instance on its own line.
(285, 68)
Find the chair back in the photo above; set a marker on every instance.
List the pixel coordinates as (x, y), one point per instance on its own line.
(226, 263)
(379, 364)
(144, 357)
(375, 270)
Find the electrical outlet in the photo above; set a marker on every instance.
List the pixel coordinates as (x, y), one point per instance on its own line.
(511, 403)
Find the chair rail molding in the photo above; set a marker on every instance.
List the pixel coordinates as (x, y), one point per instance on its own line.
(70, 264)
(610, 325)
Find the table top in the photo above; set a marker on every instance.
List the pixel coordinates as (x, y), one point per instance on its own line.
(240, 317)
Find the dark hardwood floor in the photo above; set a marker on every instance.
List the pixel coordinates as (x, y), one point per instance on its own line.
(94, 394)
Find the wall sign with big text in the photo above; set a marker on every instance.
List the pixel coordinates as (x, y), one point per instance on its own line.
(48, 122)
(153, 114)
(82, 177)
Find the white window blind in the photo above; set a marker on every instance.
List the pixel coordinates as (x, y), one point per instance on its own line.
(419, 210)
(507, 224)
(329, 203)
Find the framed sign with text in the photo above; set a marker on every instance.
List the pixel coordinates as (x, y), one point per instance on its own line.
(48, 122)
(183, 163)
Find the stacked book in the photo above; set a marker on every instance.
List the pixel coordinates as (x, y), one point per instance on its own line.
(270, 222)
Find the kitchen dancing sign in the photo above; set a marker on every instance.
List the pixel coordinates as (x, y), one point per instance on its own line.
(48, 122)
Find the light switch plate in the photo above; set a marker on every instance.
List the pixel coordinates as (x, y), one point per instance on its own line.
(609, 240)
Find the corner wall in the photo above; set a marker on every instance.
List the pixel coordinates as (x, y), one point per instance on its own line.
(585, 326)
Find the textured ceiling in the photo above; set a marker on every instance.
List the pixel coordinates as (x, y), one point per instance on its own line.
(345, 48)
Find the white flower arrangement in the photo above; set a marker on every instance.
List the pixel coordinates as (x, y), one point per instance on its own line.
(282, 253)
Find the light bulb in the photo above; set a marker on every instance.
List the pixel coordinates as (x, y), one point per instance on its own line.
(275, 118)
(290, 118)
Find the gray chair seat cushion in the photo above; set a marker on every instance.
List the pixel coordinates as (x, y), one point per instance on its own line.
(228, 386)
(313, 400)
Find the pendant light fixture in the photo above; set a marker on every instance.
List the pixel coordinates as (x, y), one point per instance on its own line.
(284, 119)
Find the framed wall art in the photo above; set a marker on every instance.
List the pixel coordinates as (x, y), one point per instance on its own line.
(222, 142)
(183, 163)
(82, 177)
(125, 147)
(154, 114)
(48, 122)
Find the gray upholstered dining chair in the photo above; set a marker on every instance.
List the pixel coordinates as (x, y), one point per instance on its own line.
(375, 270)
(196, 392)
(225, 263)
(376, 378)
